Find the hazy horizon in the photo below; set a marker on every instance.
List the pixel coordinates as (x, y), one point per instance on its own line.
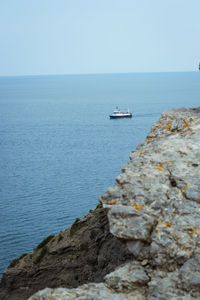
(88, 74)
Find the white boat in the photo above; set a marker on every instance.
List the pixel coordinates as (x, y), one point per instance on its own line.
(119, 114)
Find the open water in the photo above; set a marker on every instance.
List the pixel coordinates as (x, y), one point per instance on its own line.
(59, 150)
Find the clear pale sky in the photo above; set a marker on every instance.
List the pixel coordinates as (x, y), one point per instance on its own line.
(98, 36)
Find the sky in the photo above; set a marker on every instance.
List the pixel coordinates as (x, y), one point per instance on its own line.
(98, 36)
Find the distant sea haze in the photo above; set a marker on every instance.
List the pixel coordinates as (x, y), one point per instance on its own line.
(59, 150)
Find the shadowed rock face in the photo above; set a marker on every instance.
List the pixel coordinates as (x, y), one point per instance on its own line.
(86, 252)
(155, 209)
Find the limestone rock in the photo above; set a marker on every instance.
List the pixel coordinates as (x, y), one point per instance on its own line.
(129, 223)
(190, 274)
(85, 292)
(127, 278)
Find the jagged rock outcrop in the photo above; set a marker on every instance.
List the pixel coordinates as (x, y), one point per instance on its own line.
(155, 208)
(84, 253)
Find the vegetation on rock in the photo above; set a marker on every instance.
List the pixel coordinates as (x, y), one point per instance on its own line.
(40, 256)
(44, 242)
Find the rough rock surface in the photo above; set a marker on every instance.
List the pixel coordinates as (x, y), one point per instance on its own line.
(84, 253)
(155, 208)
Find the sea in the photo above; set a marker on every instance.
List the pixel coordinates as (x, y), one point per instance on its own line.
(59, 151)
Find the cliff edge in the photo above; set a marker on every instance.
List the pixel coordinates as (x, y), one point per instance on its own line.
(154, 210)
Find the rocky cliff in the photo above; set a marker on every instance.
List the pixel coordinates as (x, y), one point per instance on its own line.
(83, 253)
(154, 213)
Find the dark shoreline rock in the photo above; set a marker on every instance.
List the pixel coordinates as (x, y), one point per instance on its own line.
(83, 253)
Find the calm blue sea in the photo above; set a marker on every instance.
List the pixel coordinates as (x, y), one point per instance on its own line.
(59, 150)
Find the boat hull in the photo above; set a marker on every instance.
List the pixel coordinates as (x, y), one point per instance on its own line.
(120, 116)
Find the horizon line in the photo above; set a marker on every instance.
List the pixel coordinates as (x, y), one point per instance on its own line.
(88, 74)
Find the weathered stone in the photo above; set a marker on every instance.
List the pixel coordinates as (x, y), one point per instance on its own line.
(127, 278)
(86, 292)
(139, 249)
(193, 193)
(130, 224)
(190, 274)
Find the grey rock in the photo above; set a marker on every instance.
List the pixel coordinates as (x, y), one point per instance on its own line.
(128, 223)
(86, 292)
(190, 274)
(127, 278)
(193, 193)
(139, 249)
